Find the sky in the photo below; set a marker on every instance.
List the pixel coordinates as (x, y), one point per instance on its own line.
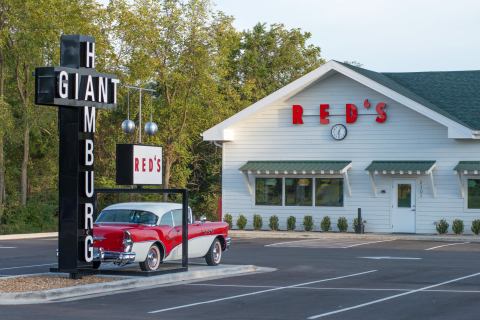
(382, 35)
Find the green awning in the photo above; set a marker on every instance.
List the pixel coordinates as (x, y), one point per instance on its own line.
(468, 167)
(401, 167)
(296, 167)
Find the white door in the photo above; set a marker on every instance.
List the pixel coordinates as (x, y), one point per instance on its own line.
(403, 206)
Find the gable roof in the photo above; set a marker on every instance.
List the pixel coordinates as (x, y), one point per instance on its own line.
(451, 98)
(454, 94)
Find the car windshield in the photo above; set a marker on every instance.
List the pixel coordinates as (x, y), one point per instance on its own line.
(127, 216)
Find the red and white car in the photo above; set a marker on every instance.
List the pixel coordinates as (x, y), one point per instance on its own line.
(151, 232)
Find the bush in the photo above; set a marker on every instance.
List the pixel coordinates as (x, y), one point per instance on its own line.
(241, 222)
(308, 223)
(356, 224)
(457, 226)
(342, 224)
(442, 226)
(291, 221)
(273, 224)
(326, 224)
(34, 217)
(257, 222)
(228, 219)
(476, 226)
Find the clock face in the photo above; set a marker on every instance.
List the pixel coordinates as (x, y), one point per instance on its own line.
(339, 132)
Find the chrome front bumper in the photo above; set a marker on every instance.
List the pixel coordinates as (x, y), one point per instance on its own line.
(120, 258)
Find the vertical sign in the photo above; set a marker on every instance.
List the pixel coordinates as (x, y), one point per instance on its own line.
(77, 89)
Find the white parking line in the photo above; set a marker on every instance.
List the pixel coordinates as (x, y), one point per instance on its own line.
(330, 288)
(8, 247)
(446, 245)
(288, 242)
(259, 292)
(364, 243)
(31, 266)
(392, 297)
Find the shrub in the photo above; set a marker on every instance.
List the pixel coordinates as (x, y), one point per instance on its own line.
(228, 219)
(241, 222)
(457, 226)
(308, 223)
(356, 224)
(326, 224)
(291, 221)
(442, 226)
(476, 226)
(257, 222)
(342, 224)
(273, 224)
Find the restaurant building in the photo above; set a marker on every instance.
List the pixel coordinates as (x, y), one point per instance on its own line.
(403, 147)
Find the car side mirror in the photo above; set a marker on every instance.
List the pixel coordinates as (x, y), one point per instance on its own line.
(203, 219)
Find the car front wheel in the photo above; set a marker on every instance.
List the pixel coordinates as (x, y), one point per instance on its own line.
(214, 254)
(153, 259)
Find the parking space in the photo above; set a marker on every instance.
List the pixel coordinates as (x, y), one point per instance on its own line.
(316, 279)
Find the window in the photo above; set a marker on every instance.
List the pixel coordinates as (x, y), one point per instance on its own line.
(127, 216)
(167, 219)
(473, 193)
(268, 191)
(329, 192)
(298, 191)
(177, 217)
(404, 195)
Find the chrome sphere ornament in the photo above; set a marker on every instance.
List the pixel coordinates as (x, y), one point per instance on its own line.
(151, 128)
(128, 126)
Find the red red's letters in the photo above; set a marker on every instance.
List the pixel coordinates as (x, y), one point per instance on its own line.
(297, 113)
(324, 113)
(351, 113)
(382, 115)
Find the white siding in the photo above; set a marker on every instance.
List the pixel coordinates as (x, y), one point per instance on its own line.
(406, 135)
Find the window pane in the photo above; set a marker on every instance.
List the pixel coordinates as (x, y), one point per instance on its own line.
(268, 191)
(298, 192)
(329, 192)
(404, 195)
(127, 216)
(167, 219)
(177, 217)
(473, 193)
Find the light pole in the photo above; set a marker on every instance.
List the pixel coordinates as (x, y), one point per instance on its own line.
(128, 126)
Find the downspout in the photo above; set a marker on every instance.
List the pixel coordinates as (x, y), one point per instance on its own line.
(218, 144)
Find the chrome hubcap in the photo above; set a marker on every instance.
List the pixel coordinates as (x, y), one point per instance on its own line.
(152, 258)
(217, 252)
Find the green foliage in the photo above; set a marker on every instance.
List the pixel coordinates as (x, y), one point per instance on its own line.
(202, 68)
(228, 219)
(35, 217)
(476, 226)
(241, 222)
(442, 226)
(326, 224)
(308, 223)
(457, 226)
(356, 224)
(342, 224)
(273, 223)
(257, 222)
(291, 221)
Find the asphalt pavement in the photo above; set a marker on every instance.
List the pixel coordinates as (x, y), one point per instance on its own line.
(316, 279)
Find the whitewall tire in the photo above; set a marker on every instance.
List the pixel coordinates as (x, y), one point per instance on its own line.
(214, 254)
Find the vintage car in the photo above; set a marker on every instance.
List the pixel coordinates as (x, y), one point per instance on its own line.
(151, 232)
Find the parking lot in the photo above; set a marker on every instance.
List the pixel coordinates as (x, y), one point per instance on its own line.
(315, 279)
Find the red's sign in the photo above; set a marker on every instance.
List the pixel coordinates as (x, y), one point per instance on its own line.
(351, 112)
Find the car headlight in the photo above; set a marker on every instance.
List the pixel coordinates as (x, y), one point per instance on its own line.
(127, 241)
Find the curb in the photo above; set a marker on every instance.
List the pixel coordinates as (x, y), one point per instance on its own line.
(338, 235)
(28, 236)
(195, 273)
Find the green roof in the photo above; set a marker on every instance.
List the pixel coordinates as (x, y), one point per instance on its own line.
(300, 167)
(468, 166)
(454, 94)
(390, 166)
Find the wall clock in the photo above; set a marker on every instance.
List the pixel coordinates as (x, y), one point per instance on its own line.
(339, 132)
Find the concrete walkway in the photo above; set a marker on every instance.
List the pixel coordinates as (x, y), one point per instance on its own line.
(350, 235)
